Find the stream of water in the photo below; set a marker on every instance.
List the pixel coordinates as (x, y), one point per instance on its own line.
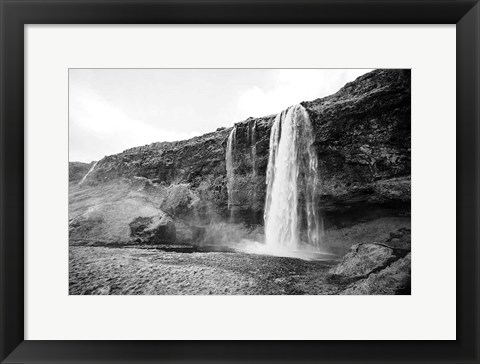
(292, 182)
(292, 221)
(89, 171)
(229, 164)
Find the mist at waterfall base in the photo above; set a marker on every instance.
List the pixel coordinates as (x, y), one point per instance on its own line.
(293, 227)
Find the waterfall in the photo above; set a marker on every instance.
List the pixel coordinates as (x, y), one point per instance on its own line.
(89, 171)
(229, 165)
(292, 179)
(254, 150)
(254, 160)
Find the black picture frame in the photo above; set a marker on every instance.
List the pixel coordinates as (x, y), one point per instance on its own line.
(16, 13)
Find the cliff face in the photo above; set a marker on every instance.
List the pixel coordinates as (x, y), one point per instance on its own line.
(362, 137)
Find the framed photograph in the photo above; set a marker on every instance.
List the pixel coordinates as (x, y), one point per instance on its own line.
(239, 181)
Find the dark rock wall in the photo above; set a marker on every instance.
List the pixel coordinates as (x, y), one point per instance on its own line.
(363, 139)
(250, 161)
(362, 136)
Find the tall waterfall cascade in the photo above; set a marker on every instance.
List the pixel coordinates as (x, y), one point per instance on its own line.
(254, 159)
(229, 165)
(292, 221)
(89, 171)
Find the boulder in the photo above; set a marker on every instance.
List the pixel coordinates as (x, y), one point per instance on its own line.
(118, 213)
(373, 268)
(158, 229)
(363, 259)
(394, 279)
(401, 239)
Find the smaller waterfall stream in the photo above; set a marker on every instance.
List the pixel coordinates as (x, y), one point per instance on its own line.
(254, 160)
(229, 165)
(89, 171)
(254, 150)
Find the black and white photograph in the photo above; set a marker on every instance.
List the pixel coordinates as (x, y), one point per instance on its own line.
(239, 181)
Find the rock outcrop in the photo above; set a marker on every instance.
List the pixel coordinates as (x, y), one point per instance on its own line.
(118, 213)
(374, 268)
(362, 137)
(363, 259)
(394, 279)
(156, 229)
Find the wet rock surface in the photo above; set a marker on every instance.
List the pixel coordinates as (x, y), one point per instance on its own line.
(133, 270)
(363, 259)
(370, 268)
(211, 270)
(376, 268)
(393, 279)
(158, 229)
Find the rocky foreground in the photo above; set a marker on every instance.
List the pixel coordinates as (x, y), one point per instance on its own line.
(377, 268)
(130, 271)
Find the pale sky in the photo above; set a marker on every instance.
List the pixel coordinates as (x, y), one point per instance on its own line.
(111, 110)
